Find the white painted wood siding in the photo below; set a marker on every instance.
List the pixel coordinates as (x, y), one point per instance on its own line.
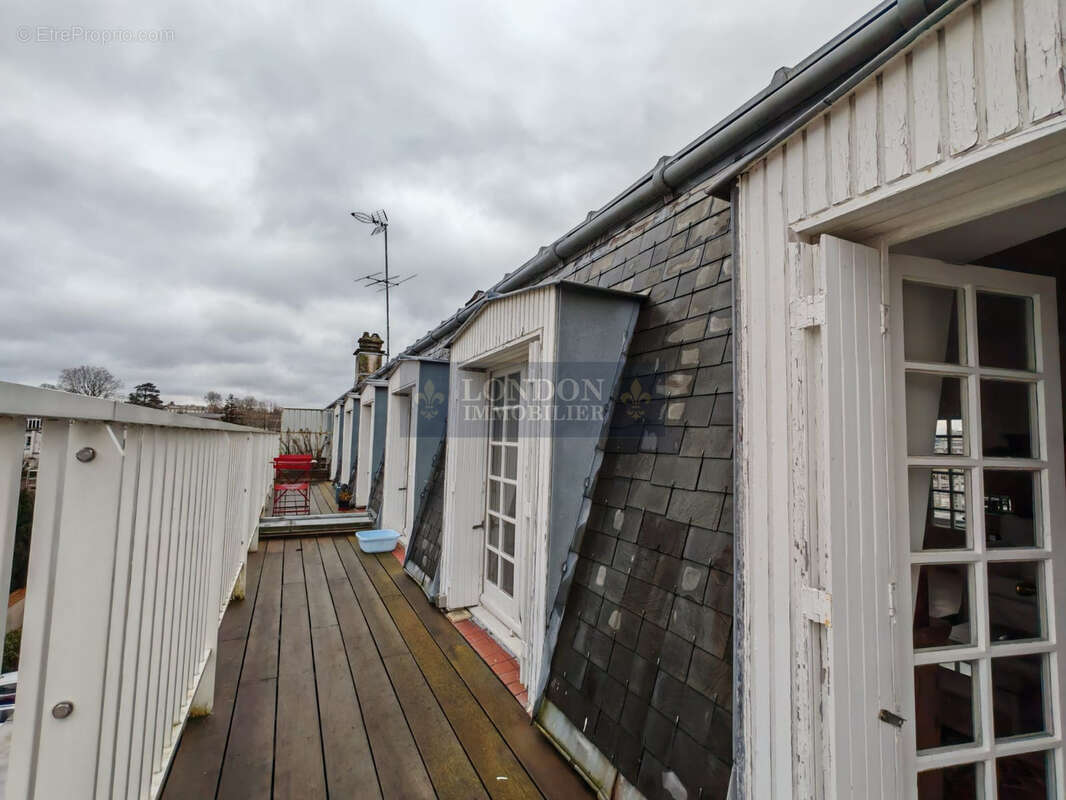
(976, 103)
(521, 327)
(992, 70)
(135, 556)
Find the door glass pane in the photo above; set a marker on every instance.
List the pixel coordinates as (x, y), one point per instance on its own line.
(1011, 502)
(1018, 695)
(507, 576)
(1025, 777)
(936, 420)
(508, 538)
(1005, 331)
(939, 502)
(496, 394)
(509, 493)
(942, 606)
(494, 531)
(510, 425)
(510, 458)
(944, 711)
(1007, 419)
(495, 465)
(1014, 590)
(497, 425)
(932, 323)
(494, 495)
(513, 388)
(950, 783)
(492, 567)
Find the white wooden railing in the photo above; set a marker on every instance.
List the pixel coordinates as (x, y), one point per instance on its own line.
(141, 526)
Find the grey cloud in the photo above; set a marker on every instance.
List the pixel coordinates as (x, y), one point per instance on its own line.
(178, 211)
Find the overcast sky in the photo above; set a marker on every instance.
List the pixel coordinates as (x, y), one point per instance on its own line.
(177, 210)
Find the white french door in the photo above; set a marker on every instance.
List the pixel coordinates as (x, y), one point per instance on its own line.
(982, 531)
(502, 568)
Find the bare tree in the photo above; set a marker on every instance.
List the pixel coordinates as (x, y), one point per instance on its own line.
(93, 381)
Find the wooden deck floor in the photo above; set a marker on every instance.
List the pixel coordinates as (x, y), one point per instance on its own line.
(336, 678)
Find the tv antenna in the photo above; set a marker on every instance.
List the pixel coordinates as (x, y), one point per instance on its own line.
(380, 220)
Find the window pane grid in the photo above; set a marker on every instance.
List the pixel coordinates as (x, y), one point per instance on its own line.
(502, 473)
(958, 445)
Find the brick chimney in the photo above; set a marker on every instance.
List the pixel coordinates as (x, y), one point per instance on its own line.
(367, 355)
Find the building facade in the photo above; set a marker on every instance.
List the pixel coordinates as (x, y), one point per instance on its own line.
(805, 542)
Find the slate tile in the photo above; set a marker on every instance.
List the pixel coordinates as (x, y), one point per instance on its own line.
(716, 475)
(611, 491)
(650, 640)
(726, 522)
(712, 677)
(660, 439)
(675, 656)
(676, 471)
(599, 646)
(668, 249)
(657, 736)
(714, 249)
(624, 555)
(713, 299)
(685, 330)
(723, 409)
(709, 228)
(647, 278)
(719, 591)
(598, 547)
(720, 738)
(711, 380)
(627, 525)
(697, 713)
(627, 753)
(715, 441)
(717, 323)
(710, 548)
(683, 262)
(663, 534)
(649, 601)
(698, 508)
(675, 384)
(571, 665)
(660, 233)
(647, 497)
(668, 697)
(707, 628)
(634, 713)
(660, 293)
(693, 214)
(693, 579)
(664, 313)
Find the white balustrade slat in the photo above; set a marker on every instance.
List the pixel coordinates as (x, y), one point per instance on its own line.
(12, 431)
(84, 545)
(119, 610)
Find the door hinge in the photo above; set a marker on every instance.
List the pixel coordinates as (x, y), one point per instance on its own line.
(895, 720)
(892, 599)
(807, 312)
(815, 605)
(884, 318)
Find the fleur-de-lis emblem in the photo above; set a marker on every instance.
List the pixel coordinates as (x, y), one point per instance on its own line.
(635, 400)
(430, 401)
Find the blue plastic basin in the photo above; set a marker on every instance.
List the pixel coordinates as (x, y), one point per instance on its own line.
(383, 541)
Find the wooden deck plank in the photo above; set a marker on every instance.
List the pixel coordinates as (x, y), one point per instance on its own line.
(238, 614)
(198, 762)
(486, 749)
(331, 562)
(349, 764)
(319, 600)
(387, 638)
(247, 769)
(401, 772)
(261, 657)
(294, 570)
(452, 773)
(541, 760)
(298, 767)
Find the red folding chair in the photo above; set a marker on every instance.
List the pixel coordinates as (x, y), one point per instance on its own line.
(292, 496)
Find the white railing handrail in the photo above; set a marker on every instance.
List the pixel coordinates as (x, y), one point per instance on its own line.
(18, 400)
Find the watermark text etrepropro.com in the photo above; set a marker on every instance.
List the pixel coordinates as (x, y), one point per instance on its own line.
(71, 34)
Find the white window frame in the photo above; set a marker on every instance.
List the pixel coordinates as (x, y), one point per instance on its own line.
(1049, 464)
